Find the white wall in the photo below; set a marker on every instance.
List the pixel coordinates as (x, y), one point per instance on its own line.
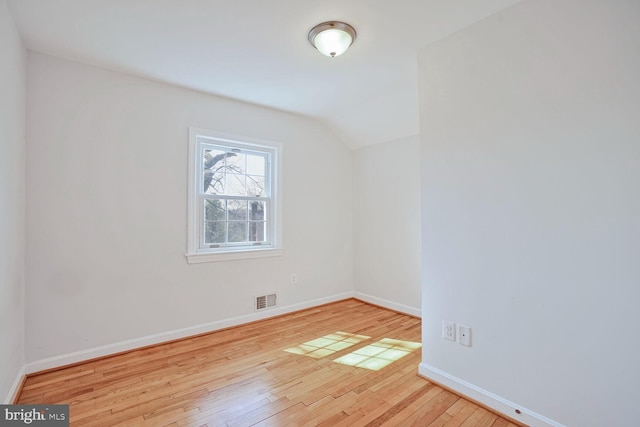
(107, 210)
(386, 188)
(531, 207)
(12, 202)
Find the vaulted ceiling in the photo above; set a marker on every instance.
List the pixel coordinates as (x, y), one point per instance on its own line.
(257, 51)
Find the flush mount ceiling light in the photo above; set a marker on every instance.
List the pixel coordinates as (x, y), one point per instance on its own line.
(332, 38)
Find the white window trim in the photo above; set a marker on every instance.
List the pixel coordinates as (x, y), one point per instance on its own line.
(195, 254)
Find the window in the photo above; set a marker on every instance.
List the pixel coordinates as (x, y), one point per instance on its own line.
(232, 197)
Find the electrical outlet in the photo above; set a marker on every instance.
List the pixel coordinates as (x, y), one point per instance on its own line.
(293, 279)
(448, 330)
(464, 335)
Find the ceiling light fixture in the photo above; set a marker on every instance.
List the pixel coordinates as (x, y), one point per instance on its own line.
(332, 38)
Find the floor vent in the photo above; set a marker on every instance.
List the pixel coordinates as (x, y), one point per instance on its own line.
(265, 301)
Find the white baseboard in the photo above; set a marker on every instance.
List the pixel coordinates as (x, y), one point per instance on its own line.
(106, 350)
(13, 391)
(412, 311)
(487, 398)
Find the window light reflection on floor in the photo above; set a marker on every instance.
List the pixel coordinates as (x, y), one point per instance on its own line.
(380, 354)
(327, 345)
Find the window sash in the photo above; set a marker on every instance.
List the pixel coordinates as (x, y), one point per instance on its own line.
(267, 221)
(204, 146)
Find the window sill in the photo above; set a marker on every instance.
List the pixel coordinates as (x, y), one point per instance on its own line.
(198, 258)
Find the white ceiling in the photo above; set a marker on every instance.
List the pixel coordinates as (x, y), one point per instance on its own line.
(257, 51)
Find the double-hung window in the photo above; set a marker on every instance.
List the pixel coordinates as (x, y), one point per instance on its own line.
(233, 197)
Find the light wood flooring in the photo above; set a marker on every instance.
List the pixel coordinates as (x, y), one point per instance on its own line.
(244, 377)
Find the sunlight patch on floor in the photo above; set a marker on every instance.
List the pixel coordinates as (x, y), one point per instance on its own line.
(327, 345)
(380, 354)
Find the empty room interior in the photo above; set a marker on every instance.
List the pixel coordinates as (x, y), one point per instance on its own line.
(211, 216)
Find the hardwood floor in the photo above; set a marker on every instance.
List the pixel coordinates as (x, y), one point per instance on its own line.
(244, 377)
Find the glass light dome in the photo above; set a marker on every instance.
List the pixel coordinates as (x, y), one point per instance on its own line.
(332, 38)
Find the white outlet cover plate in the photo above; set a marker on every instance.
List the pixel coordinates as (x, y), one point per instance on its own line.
(464, 335)
(448, 330)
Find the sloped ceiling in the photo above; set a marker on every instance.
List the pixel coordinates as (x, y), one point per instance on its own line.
(257, 51)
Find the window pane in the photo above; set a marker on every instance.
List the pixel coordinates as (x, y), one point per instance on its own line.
(255, 185)
(213, 167)
(214, 232)
(236, 163)
(215, 210)
(236, 185)
(256, 231)
(237, 210)
(256, 165)
(237, 232)
(256, 211)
